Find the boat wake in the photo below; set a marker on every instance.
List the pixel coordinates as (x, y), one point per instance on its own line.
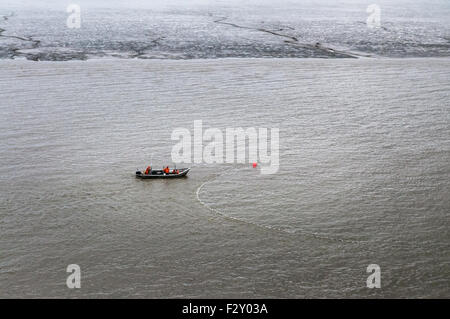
(264, 227)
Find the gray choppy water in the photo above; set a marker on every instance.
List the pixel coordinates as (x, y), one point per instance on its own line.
(365, 155)
(217, 29)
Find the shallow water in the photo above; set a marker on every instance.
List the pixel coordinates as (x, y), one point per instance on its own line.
(364, 179)
(177, 29)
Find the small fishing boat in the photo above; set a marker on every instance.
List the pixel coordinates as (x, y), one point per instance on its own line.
(159, 173)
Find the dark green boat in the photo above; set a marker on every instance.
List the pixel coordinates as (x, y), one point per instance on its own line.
(182, 172)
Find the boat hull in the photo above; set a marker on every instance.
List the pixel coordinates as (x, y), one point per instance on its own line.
(159, 174)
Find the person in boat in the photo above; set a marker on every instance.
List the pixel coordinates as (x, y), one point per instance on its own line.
(166, 170)
(148, 170)
(175, 171)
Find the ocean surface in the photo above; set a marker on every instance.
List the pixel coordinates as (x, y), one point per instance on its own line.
(364, 178)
